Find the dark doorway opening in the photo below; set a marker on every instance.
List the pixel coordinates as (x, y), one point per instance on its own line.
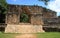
(2, 18)
(2, 29)
(2, 22)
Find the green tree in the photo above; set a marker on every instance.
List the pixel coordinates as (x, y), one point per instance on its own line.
(45, 1)
(24, 18)
(3, 9)
(3, 6)
(3, 3)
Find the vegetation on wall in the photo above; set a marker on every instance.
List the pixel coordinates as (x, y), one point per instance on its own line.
(24, 18)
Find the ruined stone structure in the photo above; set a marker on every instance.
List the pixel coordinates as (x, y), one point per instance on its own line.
(39, 17)
(13, 19)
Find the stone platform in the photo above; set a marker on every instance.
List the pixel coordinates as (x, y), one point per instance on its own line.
(23, 28)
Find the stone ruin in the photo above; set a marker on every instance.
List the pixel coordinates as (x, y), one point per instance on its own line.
(39, 18)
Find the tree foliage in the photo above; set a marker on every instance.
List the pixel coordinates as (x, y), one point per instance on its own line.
(45, 1)
(24, 18)
(2, 9)
(3, 3)
(3, 6)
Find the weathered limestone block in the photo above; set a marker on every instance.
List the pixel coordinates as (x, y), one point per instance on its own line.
(12, 18)
(10, 29)
(23, 28)
(35, 19)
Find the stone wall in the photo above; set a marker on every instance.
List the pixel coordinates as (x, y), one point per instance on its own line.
(35, 13)
(23, 28)
(12, 18)
(36, 19)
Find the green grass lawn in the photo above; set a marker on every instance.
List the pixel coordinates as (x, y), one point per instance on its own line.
(39, 35)
(48, 35)
(7, 35)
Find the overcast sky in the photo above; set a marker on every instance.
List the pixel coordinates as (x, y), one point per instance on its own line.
(53, 4)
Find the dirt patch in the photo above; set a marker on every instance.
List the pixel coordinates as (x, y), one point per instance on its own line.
(26, 36)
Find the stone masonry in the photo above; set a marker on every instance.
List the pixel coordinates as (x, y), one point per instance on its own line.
(36, 14)
(22, 28)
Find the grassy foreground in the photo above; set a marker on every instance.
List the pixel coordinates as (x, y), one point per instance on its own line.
(48, 35)
(39, 35)
(7, 35)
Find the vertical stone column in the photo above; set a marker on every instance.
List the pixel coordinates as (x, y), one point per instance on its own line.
(38, 22)
(36, 19)
(15, 19)
(9, 18)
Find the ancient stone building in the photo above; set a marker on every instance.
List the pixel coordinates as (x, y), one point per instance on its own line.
(16, 11)
(37, 18)
(34, 18)
(33, 13)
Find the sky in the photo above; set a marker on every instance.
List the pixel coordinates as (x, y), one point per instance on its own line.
(53, 4)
